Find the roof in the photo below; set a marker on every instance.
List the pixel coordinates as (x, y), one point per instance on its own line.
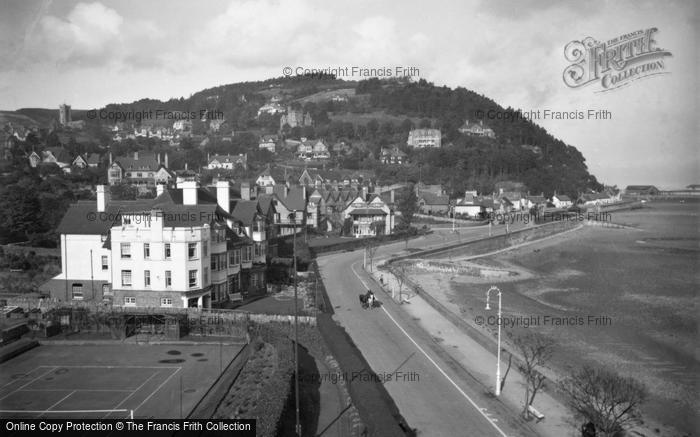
(640, 188)
(82, 217)
(60, 154)
(145, 162)
(563, 197)
(245, 210)
(367, 211)
(431, 198)
(292, 198)
(93, 158)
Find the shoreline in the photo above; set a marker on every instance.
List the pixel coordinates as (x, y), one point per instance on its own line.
(500, 260)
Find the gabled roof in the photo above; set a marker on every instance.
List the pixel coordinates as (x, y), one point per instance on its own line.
(245, 211)
(562, 197)
(93, 158)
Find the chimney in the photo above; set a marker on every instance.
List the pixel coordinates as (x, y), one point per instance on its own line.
(185, 166)
(136, 155)
(158, 158)
(392, 197)
(166, 159)
(102, 198)
(223, 195)
(303, 191)
(245, 190)
(189, 192)
(110, 158)
(364, 193)
(160, 189)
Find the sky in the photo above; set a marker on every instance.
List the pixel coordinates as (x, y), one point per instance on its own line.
(91, 53)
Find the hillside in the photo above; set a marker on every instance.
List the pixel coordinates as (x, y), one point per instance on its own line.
(374, 114)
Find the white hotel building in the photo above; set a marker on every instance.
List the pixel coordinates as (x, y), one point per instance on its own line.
(181, 249)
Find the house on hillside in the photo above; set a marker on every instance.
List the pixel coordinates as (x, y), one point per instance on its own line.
(393, 156)
(294, 118)
(424, 138)
(477, 129)
(58, 156)
(562, 201)
(268, 142)
(141, 169)
(227, 162)
(265, 179)
(595, 199)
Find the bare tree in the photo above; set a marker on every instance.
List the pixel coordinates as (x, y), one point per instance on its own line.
(371, 247)
(536, 350)
(610, 401)
(400, 271)
(505, 375)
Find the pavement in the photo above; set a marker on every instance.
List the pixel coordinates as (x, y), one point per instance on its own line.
(431, 389)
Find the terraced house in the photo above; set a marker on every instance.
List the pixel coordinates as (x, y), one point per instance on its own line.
(181, 249)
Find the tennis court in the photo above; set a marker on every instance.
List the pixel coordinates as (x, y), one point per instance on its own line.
(110, 381)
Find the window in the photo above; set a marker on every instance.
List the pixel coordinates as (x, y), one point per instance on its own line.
(126, 278)
(77, 291)
(247, 251)
(254, 280)
(126, 250)
(205, 248)
(166, 302)
(146, 278)
(106, 291)
(167, 250)
(234, 257)
(146, 250)
(129, 301)
(105, 262)
(214, 259)
(168, 278)
(192, 250)
(193, 278)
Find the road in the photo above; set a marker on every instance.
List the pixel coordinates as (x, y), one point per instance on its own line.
(435, 396)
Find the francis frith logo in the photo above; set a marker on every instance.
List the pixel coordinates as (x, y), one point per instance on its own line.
(614, 63)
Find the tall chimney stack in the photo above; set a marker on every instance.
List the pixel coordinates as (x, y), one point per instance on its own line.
(166, 159)
(189, 192)
(223, 195)
(245, 190)
(103, 197)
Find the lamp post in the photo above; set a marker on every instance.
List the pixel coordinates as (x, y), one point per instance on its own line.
(296, 332)
(498, 322)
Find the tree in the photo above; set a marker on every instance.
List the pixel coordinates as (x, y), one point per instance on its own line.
(400, 270)
(610, 401)
(536, 351)
(371, 247)
(407, 205)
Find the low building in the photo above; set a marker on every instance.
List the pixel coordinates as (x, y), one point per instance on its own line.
(431, 203)
(424, 138)
(562, 201)
(641, 190)
(227, 162)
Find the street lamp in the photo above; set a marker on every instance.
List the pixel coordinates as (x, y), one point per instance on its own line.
(293, 217)
(498, 322)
